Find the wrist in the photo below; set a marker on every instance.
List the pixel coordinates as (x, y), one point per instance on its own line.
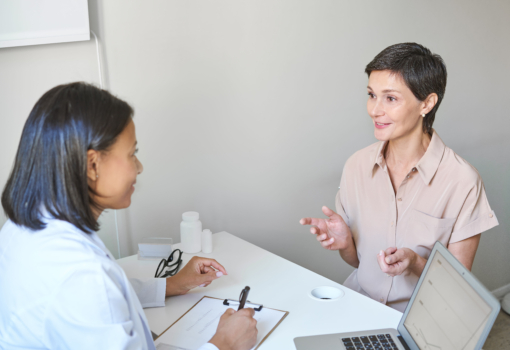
(168, 290)
(172, 287)
(418, 264)
(345, 242)
(219, 343)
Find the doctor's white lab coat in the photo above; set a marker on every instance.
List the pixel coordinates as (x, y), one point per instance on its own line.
(60, 288)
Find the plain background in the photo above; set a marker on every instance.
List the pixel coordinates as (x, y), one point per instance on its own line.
(247, 110)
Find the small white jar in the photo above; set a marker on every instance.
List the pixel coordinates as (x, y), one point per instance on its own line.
(206, 241)
(191, 233)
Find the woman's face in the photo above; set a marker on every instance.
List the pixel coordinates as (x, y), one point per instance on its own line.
(115, 171)
(394, 109)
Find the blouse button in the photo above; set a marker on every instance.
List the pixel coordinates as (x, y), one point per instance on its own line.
(400, 199)
(490, 215)
(382, 300)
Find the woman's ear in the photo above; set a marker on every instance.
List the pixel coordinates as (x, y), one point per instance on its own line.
(92, 165)
(429, 103)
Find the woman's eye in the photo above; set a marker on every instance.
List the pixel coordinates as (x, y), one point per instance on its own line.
(136, 151)
(391, 99)
(371, 95)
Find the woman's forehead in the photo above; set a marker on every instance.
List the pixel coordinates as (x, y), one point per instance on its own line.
(127, 138)
(387, 81)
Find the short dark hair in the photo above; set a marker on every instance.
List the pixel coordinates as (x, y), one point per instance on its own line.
(50, 168)
(422, 71)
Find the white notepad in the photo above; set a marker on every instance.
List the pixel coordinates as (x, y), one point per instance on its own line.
(197, 326)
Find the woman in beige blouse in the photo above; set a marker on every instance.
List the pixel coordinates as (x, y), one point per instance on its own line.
(400, 195)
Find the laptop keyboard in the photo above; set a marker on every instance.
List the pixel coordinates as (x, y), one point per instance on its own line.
(370, 342)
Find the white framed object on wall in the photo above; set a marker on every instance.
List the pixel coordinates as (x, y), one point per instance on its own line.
(35, 22)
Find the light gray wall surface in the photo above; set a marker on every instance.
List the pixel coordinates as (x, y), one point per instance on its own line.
(247, 110)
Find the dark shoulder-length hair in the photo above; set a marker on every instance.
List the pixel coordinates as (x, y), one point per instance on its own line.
(422, 71)
(50, 169)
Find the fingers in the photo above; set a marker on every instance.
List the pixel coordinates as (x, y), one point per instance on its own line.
(382, 263)
(205, 279)
(396, 267)
(211, 276)
(218, 266)
(390, 250)
(206, 270)
(395, 257)
(315, 230)
(315, 221)
(322, 237)
(310, 221)
(324, 240)
(247, 311)
(229, 312)
(205, 262)
(327, 242)
(330, 213)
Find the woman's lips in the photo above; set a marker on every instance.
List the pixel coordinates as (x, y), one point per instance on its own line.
(381, 125)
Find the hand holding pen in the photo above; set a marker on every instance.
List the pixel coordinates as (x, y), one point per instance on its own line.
(237, 329)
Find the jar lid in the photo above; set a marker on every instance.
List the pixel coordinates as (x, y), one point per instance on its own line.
(190, 216)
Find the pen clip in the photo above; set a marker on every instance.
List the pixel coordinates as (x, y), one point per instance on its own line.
(231, 302)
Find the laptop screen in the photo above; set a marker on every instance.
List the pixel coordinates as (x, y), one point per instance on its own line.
(447, 313)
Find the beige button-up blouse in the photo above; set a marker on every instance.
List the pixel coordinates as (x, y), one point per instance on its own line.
(441, 199)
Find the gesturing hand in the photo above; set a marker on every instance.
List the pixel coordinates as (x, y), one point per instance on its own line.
(332, 233)
(394, 262)
(197, 272)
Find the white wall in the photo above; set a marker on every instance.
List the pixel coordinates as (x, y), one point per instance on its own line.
(247, 110)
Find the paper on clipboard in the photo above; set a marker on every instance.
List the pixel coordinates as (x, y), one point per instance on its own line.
(197, 326)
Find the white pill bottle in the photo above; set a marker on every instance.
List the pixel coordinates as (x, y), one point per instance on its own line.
(191, 233)
(206, 241)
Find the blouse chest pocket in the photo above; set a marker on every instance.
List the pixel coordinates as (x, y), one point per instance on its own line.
(424, 230)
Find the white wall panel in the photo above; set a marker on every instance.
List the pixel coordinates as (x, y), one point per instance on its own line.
(34, 22)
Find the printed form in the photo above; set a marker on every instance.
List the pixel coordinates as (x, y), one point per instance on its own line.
(199, 325)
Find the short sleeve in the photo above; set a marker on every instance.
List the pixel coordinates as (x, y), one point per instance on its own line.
(151, 292)
(476, 215)
(208, 346)
(340, 198)
(89, 311)
(340, 208)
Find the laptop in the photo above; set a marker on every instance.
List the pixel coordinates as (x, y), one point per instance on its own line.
(449, 309)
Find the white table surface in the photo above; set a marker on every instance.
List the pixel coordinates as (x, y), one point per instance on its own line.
(276, 283)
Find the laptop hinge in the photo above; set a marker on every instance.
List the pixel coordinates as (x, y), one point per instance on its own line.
(403, 342)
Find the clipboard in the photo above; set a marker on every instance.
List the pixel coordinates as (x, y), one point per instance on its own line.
(198, 321)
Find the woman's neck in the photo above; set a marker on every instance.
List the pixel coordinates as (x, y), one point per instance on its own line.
(96, 212)
(405, 152)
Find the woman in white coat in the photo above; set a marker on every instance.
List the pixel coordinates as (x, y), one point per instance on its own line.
(60, 288)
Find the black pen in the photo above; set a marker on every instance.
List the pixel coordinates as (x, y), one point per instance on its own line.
(243, 297)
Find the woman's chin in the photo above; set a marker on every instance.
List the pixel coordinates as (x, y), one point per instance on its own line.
(382, 134)
(122, 205)
(127, 203)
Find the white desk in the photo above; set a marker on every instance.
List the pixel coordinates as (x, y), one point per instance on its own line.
(275, 282)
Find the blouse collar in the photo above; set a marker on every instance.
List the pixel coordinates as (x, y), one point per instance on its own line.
(428, 164)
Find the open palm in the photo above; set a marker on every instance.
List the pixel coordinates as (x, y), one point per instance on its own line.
(332, 233)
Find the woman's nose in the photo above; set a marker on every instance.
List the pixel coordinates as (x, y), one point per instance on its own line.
(375, 109)
(139, 166)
